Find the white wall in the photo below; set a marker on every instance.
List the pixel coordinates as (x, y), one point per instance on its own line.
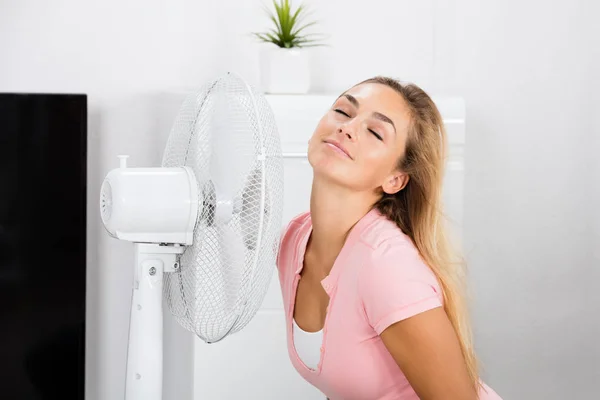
(593, 107)
(364, 40)
(594, 143)
(594, 104)
(526, 70)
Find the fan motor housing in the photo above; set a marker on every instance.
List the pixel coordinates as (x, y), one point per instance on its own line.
(150, 205)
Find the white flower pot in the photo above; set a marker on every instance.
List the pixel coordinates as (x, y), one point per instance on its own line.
(284, 71)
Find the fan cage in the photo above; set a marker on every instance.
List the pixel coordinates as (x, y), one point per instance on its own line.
(224, 276)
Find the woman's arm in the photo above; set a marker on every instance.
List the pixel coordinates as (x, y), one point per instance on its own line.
(426, 349)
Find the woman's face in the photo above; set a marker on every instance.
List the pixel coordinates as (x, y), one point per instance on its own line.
(359, 141)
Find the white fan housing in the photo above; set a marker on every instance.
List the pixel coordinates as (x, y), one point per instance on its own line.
(150, 205)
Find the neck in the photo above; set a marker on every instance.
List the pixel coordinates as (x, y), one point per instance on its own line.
(334, 211)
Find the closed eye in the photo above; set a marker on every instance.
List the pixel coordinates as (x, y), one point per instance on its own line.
(337, 110)
(376, 134)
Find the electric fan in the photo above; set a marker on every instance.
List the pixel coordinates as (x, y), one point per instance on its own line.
(205, 226)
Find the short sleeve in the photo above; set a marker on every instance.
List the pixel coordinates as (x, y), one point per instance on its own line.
(396, 285)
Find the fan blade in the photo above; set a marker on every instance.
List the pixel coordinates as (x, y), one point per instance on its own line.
(231, 249)
(252, 206)
(232, 143)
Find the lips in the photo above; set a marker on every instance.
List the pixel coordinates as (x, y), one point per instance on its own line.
(338, 146)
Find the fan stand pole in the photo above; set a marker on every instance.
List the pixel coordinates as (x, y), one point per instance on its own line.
(144, 376)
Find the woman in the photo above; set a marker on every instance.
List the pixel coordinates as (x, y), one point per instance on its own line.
(374, 300)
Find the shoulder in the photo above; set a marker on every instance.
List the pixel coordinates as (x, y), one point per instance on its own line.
(292, 232)
(394, 281)
(290, 238)
(392, 251)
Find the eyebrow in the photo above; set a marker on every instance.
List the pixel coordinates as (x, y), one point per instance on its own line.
(376, 114)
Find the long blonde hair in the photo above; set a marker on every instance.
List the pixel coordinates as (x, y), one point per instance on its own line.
(417, 209)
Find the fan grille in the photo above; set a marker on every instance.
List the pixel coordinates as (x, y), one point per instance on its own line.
(221, 132)
(106, 201)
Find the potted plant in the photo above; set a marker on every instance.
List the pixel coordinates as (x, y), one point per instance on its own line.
(284, 62)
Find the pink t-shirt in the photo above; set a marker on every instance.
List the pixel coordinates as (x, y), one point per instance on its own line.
(377, 279)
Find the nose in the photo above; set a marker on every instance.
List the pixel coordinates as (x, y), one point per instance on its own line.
(347, 131)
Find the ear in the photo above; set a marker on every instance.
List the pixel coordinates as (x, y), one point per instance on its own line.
(395, 182)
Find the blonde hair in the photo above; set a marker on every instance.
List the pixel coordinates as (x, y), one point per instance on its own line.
(417, 209)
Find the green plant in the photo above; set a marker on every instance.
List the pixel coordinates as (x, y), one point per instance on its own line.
(289, 30)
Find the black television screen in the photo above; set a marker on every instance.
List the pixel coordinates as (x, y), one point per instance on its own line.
(43, 142)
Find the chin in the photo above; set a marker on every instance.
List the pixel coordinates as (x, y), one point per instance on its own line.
(333, 171)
